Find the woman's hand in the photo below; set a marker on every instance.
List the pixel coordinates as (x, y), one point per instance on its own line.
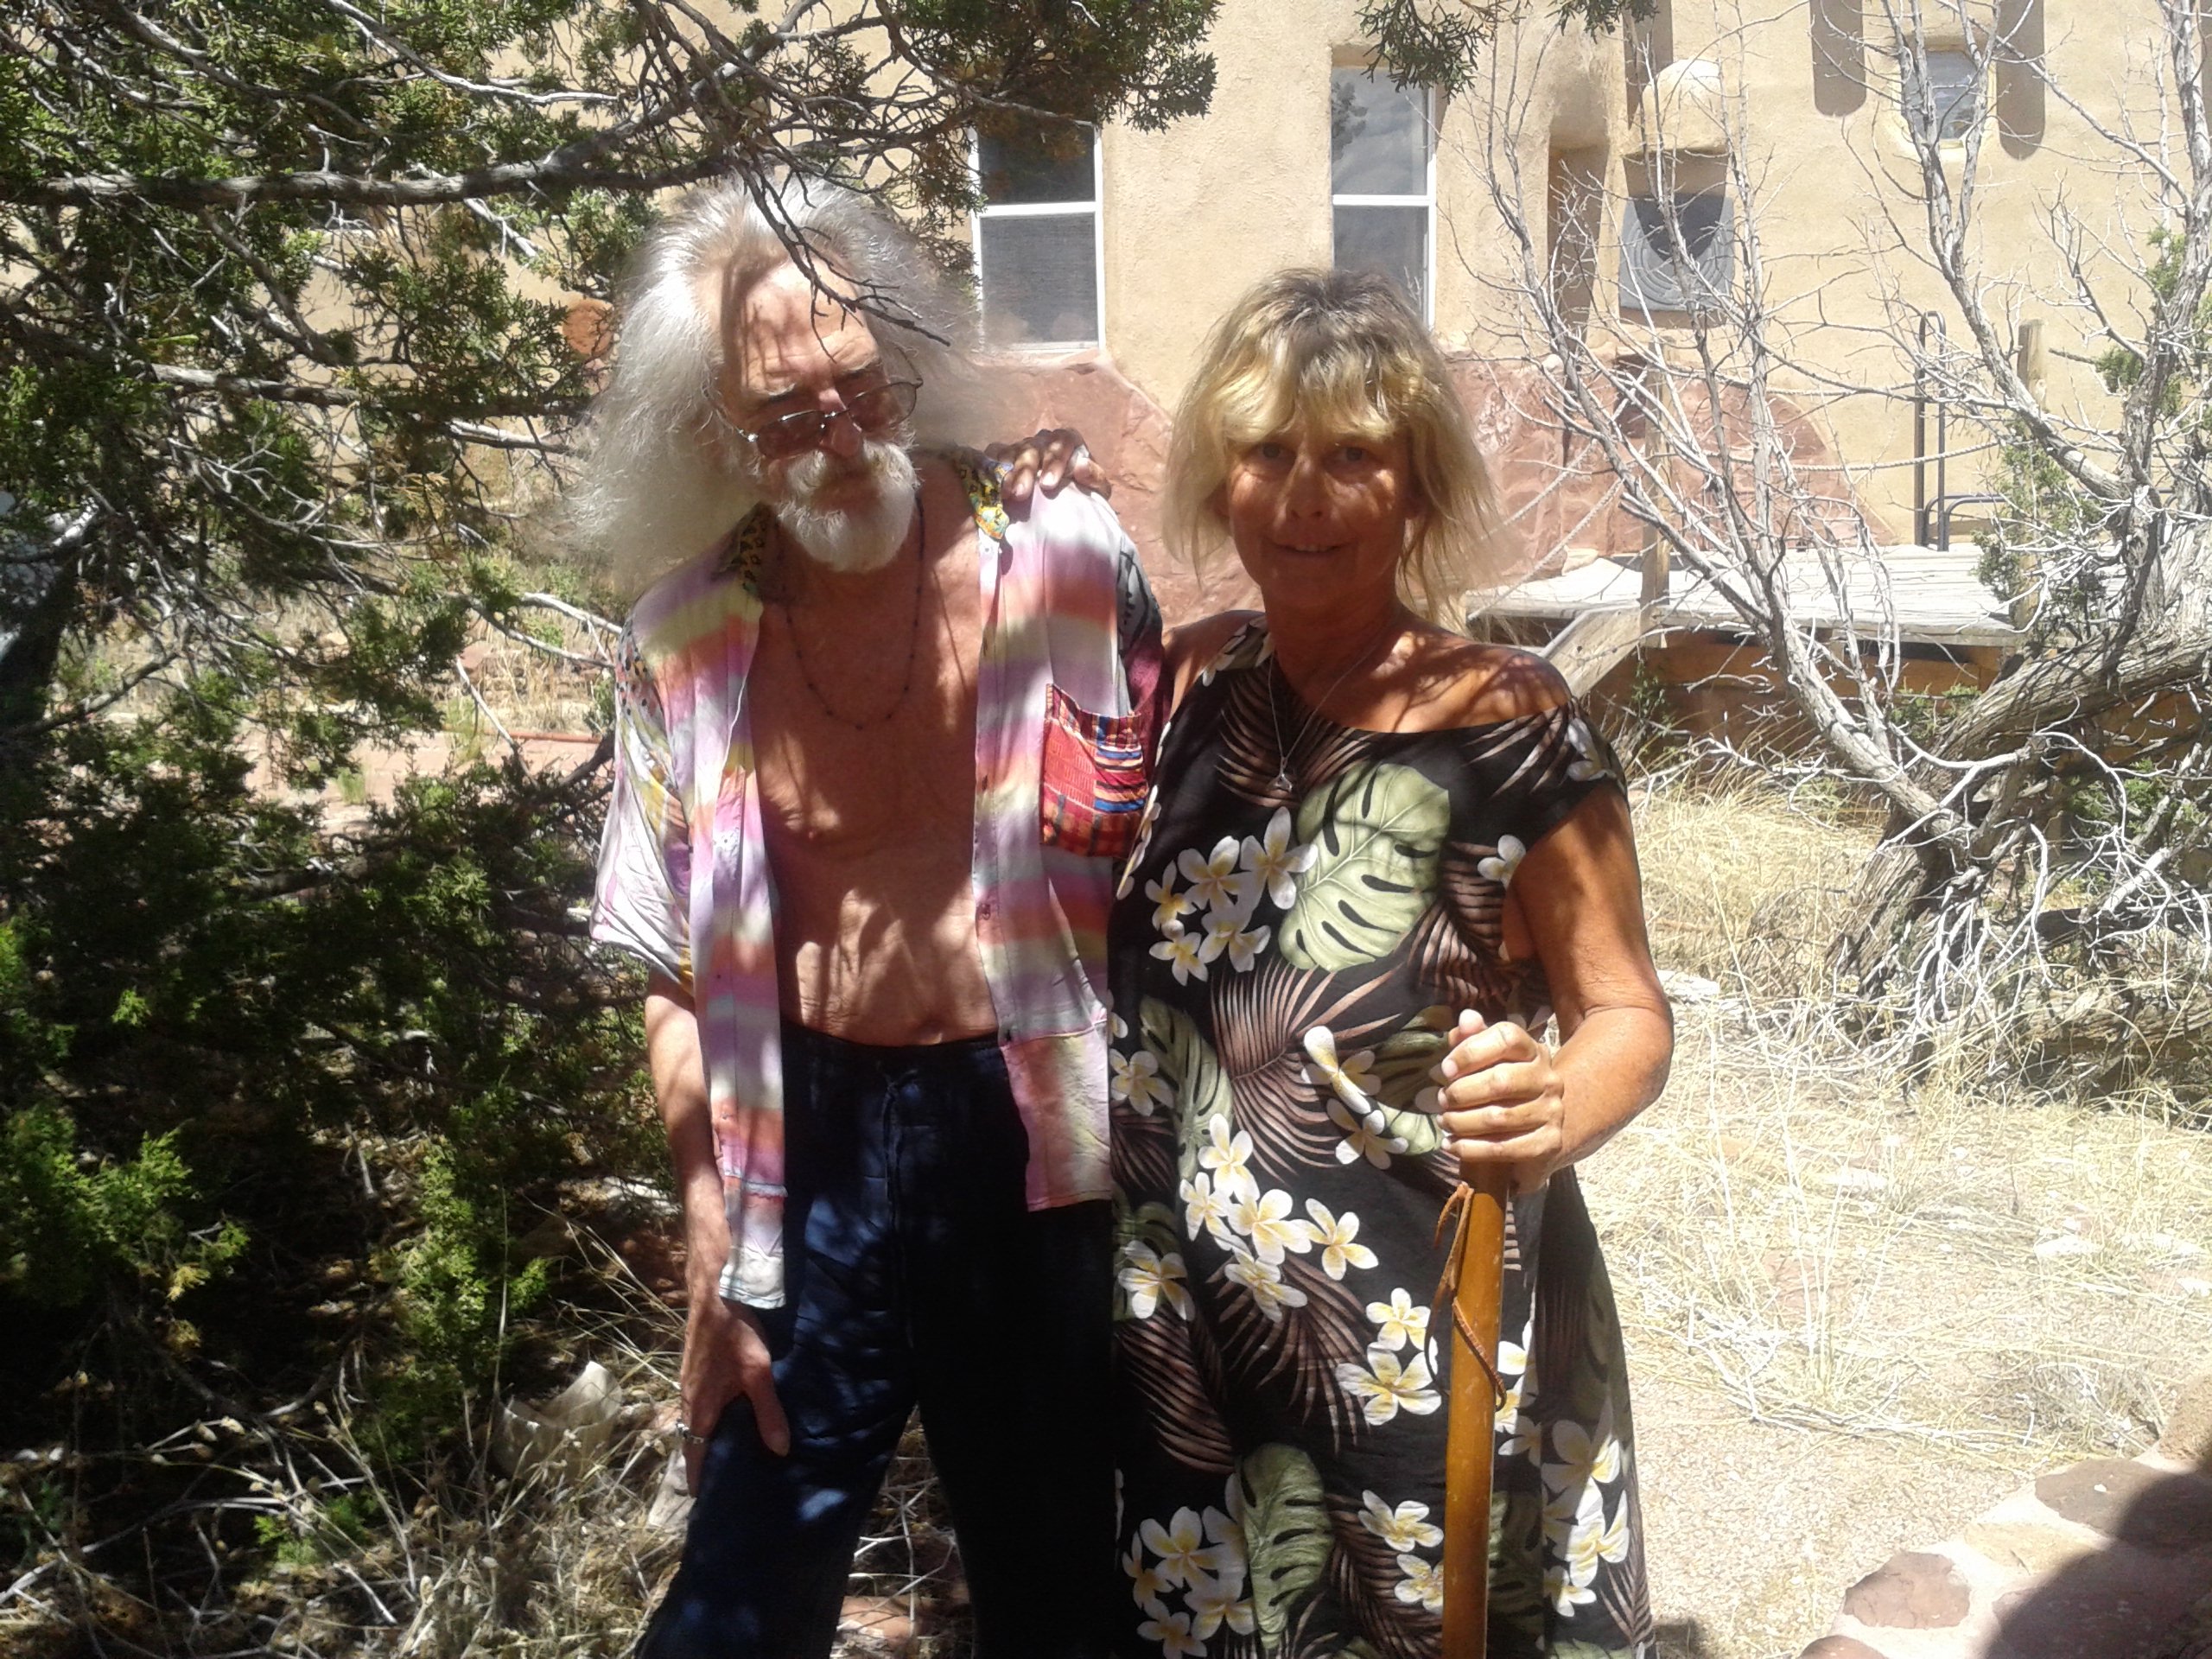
(1501, 1102)
(1047, 459)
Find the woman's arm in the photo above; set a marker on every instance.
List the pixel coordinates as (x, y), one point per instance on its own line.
(1507, 1099)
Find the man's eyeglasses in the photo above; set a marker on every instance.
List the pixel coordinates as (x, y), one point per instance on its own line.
(878, 409)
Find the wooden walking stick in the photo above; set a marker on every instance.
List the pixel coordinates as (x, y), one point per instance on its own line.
(1473, 1274)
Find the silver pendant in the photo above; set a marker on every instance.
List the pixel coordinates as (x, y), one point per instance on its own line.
(1282, 780)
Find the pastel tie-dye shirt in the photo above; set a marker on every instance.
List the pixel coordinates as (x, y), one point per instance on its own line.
(1068, 659)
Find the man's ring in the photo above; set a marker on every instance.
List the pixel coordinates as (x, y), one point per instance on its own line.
(691, 1436)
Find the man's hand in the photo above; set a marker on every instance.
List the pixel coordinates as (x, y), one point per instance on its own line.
(1048, 460)
(725, 1356)
(1501, 1102)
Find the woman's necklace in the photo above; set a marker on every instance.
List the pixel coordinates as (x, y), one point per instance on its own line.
(1314, 710)
(913, 636)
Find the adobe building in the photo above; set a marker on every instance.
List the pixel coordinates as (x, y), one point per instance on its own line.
(1104, 259)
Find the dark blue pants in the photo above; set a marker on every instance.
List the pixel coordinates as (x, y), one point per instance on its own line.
(914, 1276)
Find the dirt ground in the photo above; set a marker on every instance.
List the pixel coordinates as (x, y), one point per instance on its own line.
(1858, 1313)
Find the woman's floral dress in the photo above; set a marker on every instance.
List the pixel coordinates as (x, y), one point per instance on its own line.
(1287, 961)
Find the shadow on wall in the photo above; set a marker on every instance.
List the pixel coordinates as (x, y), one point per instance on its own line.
(1838, 30)
(2147, 1594)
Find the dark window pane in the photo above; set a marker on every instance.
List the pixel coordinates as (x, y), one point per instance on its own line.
(1954, 96)
(1391, 240)
(1040, 279)
(1048, 167)
(1378, 136)
(1677, 254)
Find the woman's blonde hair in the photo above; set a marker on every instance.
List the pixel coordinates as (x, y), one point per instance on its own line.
(1335, 351)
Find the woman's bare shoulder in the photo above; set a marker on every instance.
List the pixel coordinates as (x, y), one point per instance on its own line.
(1190, 647)
(1471, 683)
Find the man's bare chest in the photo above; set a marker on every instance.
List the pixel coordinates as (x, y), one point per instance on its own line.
(863, 723)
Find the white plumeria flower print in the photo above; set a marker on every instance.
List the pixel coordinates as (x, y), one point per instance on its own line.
(1145, 1583)
(1389, 1388)
(1524, 1435)
(1264, 1281)
(1399, 1324)
(1264, 1220)
(1275, 862)
(1136, 1079)
(1173, 1632)
(1228, 1156)
(1204, 1209)
(1424, 1583)
(1186, 952)
(1352, 1080)
(1583, 1457)
(1226, 1529)
(1405, 1527)
(1151, 1278)
(1567, 1508)
(1336, 1235)
(1595, 1539)
(1146, 819)
(1185, 1556)
(1216, 882)
(1566, 1595)
(1215, 1602)
(1498, 867)
(1365, 1136)
(1225, 931)
(1590, 766)
(1169, 903)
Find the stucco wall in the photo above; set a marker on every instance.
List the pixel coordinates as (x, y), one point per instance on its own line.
(1194, 214)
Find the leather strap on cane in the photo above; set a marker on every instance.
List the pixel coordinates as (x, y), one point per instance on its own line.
(1457, 1209)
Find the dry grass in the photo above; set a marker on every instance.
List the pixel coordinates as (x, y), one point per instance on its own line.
(1872, 1305)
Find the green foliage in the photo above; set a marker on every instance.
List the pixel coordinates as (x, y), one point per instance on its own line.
(1439, 42)
(67, 1225)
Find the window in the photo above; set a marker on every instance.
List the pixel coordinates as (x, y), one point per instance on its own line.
(1955, 102)
(1677, 251)
(1037, 253)
(1382, 180)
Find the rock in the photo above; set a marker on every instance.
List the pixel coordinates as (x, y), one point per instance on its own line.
(1841, 1647)
(2187, 1434)
(2065, 1244)
(2143, 1506)
(879, 1622)
(1914, 1590)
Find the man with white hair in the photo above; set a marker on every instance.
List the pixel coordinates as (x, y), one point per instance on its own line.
(879, 746)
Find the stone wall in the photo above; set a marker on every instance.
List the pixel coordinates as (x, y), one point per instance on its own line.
(2110, 1559)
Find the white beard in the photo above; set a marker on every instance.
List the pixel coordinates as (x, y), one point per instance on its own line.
(845, 540)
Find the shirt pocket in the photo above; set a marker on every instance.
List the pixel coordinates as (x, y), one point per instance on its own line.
(1094, 779)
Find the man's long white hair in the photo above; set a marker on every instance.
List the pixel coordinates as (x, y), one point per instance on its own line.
(663, 478)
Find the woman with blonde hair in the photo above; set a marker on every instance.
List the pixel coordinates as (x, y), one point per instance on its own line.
(1379, 859)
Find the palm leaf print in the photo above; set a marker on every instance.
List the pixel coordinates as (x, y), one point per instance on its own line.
(1365, 1575)
(1170, 1376)
(1263, 733)
(1188, 1062)
(1261, 1019)
(1287, 1536)
(1302, 1347)
(1144, 1151)
(1376, 831)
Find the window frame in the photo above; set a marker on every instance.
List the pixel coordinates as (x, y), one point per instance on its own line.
(1426, 201)
(1095, 208)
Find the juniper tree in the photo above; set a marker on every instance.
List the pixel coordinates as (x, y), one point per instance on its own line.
(284, 287)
